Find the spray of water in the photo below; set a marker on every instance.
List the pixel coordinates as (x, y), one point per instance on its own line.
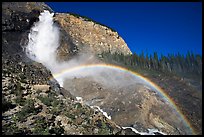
(43, 40)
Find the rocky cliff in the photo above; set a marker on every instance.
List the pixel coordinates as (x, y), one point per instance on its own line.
(32, 101)
(87, 35)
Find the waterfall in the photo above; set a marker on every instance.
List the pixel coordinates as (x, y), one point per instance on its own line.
(43, 40)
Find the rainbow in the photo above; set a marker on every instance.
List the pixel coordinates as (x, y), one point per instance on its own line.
(114, 67)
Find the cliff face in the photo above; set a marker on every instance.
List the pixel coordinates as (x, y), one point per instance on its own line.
(88, 35)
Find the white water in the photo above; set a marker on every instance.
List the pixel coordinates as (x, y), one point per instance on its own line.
(150, 131)
(103, 112)
(44, 40)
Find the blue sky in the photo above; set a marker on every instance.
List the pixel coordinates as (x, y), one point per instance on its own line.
(164, 27)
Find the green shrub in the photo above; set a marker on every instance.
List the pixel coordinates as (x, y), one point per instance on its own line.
(23, 78)
(69, 115)
(49, 100)
(55, 111)
(45, 100)
(41, 127)
(6, 105)
(103, 130)
(19, 94)
(20, 100)
(77, 105)
(27, 110)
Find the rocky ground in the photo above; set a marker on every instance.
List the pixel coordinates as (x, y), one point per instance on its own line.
(187, 95)
(32, 104)
(135, 105)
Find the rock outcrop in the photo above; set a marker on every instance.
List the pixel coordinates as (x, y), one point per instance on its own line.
(89, 36)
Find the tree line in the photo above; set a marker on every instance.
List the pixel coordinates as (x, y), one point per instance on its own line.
(173, 63)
